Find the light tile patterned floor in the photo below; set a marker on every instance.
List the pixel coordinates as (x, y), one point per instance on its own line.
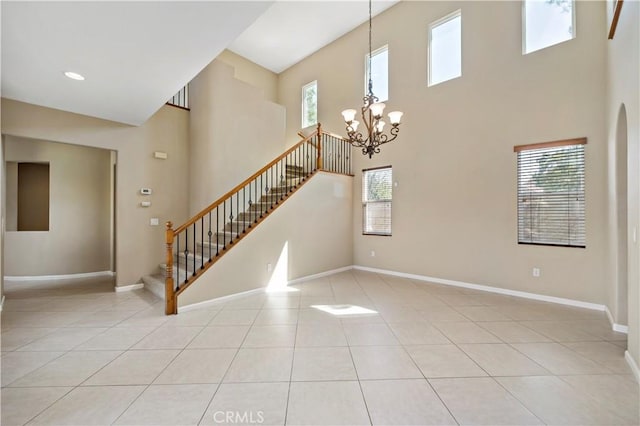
(76, 353)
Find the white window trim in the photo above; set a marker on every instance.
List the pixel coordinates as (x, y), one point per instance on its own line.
(444, 19)
(366, 70)
(523, 19)
(302, 104)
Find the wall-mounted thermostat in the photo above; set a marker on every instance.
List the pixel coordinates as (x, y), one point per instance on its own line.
(145, 191)
(145, 204)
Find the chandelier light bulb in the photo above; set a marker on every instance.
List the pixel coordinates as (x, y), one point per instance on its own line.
(354, 125)
(395, 117)
(377, 109)
(349, 115)
(380, 126)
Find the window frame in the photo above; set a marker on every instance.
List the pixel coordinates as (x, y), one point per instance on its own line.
(566, 143)
(379, 50)
(455, 14)
(303, 110)
(365, 203)
(524, 28)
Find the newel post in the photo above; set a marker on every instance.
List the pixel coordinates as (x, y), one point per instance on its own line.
(171, 305)
(319, 160)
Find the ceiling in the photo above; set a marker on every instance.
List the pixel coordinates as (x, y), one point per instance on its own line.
(137, 55)
(289, 31)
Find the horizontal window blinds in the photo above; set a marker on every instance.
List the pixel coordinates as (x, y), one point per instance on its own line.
(376, 201)
(551, 201)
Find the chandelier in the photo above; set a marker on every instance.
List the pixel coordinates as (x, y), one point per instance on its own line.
(372, 118)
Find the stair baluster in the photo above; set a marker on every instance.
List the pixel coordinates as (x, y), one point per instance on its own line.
(267, 189)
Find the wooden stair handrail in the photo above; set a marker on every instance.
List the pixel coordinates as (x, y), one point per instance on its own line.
(171, 293)
(244, 183)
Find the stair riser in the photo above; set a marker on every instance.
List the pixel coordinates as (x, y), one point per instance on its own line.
(248, 216)
(271, 198)
(238, 226)
(259, 207)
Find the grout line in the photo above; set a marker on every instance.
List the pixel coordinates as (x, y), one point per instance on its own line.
(222, 379)
(293, 360)
(353, 362)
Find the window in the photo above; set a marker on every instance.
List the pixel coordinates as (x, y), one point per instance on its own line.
(445, 48)
(379, 73)
(546, 23)
(310, 104)
(376, 201)
(551, 202)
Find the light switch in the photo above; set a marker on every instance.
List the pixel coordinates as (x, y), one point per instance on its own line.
(154, 221)
(145, 204)
(145, 191)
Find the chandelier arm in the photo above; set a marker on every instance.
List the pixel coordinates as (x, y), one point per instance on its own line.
(371, 136)
(356, 139)
(387, 139)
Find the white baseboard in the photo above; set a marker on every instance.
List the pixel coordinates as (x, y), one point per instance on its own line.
(217, 300)
(616, 327)
(1, 303)
(498, 290)
(633, 365)
(123, 288)
(319, 275)
(211, 302)
(105, 274)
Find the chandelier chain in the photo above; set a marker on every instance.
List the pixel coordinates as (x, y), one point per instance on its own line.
(373, 135)
(370, 86)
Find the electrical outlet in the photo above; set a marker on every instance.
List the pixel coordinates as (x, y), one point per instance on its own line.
(373, 253)
(536, 272)
(268, 267)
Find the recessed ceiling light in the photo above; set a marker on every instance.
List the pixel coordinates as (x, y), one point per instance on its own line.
(74, 75)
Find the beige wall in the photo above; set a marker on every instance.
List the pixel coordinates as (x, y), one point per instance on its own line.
(314, 224)
(139, 246)
(454, 209)
(252, 73)
(623, 88)
(234, 132)
(78, 239)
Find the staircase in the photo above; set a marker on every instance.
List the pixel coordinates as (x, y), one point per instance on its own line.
(195, 246)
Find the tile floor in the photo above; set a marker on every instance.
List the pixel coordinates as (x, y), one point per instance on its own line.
(80, 354)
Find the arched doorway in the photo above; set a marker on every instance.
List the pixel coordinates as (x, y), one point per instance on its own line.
(621, 210)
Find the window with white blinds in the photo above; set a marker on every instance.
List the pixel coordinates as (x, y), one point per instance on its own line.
(376, 201)
(551, 201)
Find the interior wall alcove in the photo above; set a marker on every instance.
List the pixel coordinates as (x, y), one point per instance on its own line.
(59, 208)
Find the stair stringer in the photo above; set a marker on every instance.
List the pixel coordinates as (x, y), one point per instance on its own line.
(315, 224)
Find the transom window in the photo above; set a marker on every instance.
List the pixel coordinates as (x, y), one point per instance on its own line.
(445, 48)
(310, 104)
(551, 193)
(379, 73)
(546, 23)
(376, 201)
